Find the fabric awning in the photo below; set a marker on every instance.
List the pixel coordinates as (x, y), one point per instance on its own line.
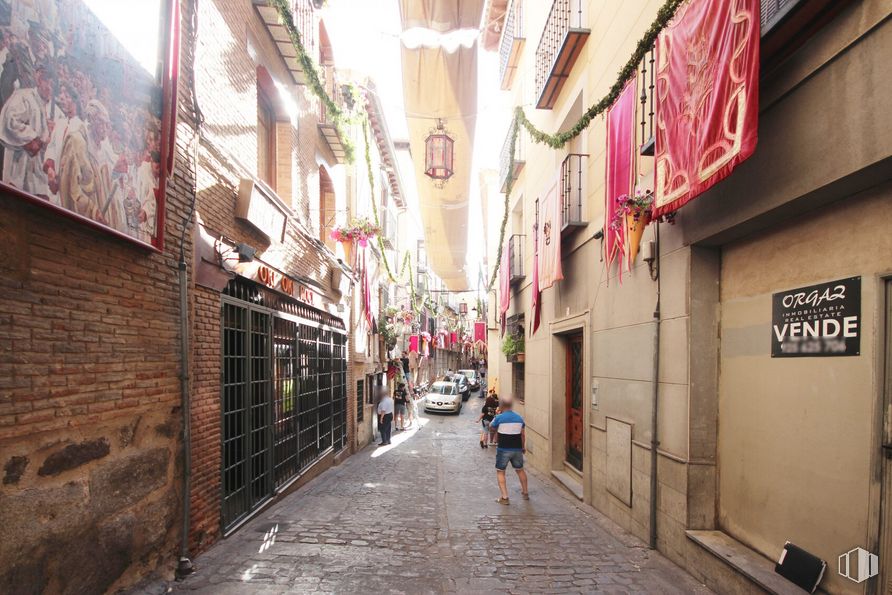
(441, 15)
(441, 84)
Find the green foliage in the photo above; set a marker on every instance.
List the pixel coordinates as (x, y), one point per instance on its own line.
(559, 139)
(512, 344)
(340, 117)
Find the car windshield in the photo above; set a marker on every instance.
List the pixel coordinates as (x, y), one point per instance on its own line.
(443, 388)
(470, 374)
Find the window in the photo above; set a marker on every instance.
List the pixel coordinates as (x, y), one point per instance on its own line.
(266, 140)
(517, 381)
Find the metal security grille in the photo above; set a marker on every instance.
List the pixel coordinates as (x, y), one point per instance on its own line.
(339, 390)
(283, 396)
(235, 406)
(285, 429)
(308, 401)
(360, 399)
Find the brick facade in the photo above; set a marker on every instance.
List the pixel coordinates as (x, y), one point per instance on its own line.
(90, 401)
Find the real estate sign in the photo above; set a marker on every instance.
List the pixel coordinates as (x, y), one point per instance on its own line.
(818, 320)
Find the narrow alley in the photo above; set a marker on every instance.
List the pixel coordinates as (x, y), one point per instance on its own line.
(420, 516)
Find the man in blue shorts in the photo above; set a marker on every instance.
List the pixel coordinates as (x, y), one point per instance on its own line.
(511, 446)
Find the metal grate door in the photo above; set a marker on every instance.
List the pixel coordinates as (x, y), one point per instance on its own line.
(285, 426)
(246, 412)
(308, 402)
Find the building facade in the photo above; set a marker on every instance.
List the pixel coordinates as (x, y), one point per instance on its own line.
(662, 403)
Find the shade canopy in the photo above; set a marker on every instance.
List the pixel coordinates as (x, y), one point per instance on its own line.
(441, 16)
(440, 86)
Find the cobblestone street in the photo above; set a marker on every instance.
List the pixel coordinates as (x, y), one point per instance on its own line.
(420, 517)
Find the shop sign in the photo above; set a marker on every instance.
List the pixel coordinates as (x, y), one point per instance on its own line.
(261, 209)
(817, 321)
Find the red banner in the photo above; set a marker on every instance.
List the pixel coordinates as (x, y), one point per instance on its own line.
(534, 288)
(707, 97)
(413, 343)
(620, 144)
(453, 338)
(480, 331)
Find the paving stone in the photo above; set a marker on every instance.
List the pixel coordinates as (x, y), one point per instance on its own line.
(421, 517)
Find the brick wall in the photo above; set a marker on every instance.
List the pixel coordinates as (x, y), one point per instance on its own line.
(231, 45)
(89, 399)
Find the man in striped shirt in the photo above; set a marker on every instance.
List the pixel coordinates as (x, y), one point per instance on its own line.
(511, 446)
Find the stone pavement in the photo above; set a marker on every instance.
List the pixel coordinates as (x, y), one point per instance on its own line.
(420, 517)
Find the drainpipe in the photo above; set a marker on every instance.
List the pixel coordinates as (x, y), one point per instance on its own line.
(184, 565)
(654, 443)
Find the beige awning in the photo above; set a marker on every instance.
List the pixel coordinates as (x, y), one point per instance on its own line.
(441, 15)
(439, 84)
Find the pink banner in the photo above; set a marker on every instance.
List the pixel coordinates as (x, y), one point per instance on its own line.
(504, 285)
(707, 100)
(534, 288)
(413, 343)
(620, 144)
(549, 239)
(453, 338)
(480, 331)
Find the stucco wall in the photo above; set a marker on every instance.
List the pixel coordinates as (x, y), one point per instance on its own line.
(795, 442)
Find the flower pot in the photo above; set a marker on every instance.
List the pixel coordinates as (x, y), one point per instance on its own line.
(635, 228)
(519, 358)
(348, 253)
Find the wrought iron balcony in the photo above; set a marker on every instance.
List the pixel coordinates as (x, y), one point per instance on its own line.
(388, 227)
(511, 43)
(505, 162)
(327, 127)
(515, 257)
(572, 175)
(559, 48)
(304, 21)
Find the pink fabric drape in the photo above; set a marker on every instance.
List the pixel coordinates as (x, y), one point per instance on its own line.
(707, 101)
(549, 238)
(534, 288)
(413, 343)
(620, 144)
(504, 285)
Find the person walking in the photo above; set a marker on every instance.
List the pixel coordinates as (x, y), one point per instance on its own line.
(487, 414)
(402, 406)
(511, 447)
(385, 418)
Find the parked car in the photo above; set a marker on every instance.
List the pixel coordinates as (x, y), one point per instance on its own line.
(464, 387)
(473, 379)
(443, 396)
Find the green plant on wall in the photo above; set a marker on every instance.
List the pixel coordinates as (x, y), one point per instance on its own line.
(512, 345)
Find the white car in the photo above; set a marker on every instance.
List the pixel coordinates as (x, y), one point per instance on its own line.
(473, 381)
(443, 396)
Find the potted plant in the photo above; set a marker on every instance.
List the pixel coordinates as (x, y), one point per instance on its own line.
(512, 347)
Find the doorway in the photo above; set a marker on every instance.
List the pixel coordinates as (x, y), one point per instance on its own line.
(885, 578)
(573, 395)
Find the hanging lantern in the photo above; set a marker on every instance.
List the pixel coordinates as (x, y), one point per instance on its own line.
(438, 155)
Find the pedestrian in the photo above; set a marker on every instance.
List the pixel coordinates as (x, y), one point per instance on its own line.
(404, 360)
(487, 414)
(413, 408)
(385, 418)
(401, 402)
(511, 448)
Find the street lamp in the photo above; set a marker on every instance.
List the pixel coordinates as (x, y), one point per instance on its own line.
(439, 155)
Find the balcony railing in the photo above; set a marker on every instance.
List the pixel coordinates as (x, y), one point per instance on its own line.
(515, 257)
(572, 172)
(505, 164)
(327, 126)
(561, 43)
(304, 21)
(511, 44)
(388, 227)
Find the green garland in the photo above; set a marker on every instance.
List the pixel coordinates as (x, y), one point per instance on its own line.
(559, 139)
(339, 117)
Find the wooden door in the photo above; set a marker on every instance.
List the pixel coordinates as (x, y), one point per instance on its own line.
(573, 392)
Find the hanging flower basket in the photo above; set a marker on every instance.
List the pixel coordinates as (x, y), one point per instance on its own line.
(358, 231)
